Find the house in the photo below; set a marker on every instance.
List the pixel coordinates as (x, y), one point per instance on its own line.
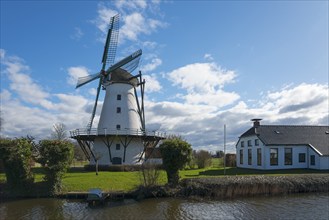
(270, 147)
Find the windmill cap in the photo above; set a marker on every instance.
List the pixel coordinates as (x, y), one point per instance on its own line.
(121, 75)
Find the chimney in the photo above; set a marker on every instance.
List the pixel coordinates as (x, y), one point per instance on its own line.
(256, 122)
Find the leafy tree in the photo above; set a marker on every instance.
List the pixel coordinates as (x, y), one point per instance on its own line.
(17, 158)
(203, 159)
(175, 153)
(56, 156)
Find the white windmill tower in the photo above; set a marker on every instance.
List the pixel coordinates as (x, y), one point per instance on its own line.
(120, 137)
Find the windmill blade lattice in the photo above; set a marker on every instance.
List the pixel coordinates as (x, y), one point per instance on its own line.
(111, 43)
(86, 79)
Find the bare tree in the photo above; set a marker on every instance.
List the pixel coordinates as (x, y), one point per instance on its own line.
(59, 132)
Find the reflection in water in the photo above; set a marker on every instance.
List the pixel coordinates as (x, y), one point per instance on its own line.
(303, 206)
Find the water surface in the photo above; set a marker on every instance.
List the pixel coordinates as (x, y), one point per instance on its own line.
(298, 206)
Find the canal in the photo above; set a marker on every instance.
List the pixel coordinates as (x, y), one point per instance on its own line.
(297, 206)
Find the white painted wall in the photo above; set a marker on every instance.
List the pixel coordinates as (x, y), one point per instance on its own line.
(324, 163)
(133, 151)
(128, 118)
(321, 162)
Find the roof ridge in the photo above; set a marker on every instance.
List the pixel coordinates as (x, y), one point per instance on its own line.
(294, 126)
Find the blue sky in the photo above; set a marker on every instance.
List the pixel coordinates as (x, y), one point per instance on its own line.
(206, 64)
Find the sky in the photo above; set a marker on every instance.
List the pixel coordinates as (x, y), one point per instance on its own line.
(206, 64)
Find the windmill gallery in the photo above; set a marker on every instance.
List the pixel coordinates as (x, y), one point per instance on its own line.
(120, 137)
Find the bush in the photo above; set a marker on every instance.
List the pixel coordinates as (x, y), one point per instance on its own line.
(149, 174)
(56, 156)
(176, 153)
(203, 159)
(17, 159)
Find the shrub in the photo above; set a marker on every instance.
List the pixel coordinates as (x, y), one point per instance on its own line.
(56, 156)
(149, 174)
(203, 159)
(17, 159)
(176, 153)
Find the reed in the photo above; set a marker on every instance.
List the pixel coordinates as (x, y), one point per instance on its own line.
(240, 186)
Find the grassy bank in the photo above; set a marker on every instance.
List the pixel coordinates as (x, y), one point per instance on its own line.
(81, 181)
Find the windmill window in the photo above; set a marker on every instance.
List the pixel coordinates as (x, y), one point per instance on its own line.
(118, 97)
(117, 146)
(118, 110)
(118, 127)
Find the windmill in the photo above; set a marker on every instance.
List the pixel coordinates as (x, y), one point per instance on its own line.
(129, 63)
(122, 120)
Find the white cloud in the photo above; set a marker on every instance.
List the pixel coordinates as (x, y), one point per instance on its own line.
(22, 83)
(76, 72)
(204, 83)
(130, 4)
(27, 109)
(208, 57)
(152, 84)
(134, 20)
(155, 62)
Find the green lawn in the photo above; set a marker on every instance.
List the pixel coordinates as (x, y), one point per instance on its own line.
(79, 180)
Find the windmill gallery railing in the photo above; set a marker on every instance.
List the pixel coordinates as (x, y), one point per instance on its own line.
(105, 131)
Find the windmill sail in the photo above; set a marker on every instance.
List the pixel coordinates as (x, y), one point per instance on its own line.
(86, 79)
(130, 61)
(111, 43)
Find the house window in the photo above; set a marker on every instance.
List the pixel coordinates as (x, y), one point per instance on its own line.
(118, 110)
(259, 156)
(288, 156)
(312, 158)
(118, 127)
(242, 143)
(249, 143)
(241, 156)
(118, 97)
(117, 146)
(302, 157)
(273, 156)
(249, 157)
(256, 142)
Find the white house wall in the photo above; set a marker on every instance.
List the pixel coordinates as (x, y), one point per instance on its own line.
(324, 163)
(321, 162)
